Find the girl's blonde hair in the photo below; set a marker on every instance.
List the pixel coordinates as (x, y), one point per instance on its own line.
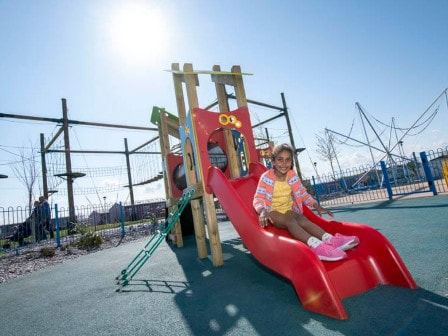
(280, 148)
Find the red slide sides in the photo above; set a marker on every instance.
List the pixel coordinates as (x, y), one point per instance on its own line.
(320, 285)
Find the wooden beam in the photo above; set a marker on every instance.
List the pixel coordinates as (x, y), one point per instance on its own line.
(182, 77)
(173, 128)
(224, 79)
(199, 227)
(180, 101)
(209, 204)
(190, 85)
(165, 148)
(240, 92)
(58, 133)
(198, 190)
(224, 108)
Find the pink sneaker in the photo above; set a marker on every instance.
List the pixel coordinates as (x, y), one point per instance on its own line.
(326, 252)
(343, 242)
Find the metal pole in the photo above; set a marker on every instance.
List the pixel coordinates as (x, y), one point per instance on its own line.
(58, 226)
(44, 165)
(267, 135)
(268, 120)
(428, 173)
(386, 180)
(146, 143)
(77, 122)
(120, 206)
(368, 143)
(330, 139)
(128, 165)
(316, 193)
(232, 96)
(98, 152)
(388, 151)
(417, 167)
(291, 137)
(68, 163)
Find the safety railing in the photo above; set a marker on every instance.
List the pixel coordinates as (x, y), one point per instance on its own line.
(426, 172)
(22, 226)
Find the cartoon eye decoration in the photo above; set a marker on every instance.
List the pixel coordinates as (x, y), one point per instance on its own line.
(225, 119)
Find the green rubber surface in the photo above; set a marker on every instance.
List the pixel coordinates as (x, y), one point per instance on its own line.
(178, 294)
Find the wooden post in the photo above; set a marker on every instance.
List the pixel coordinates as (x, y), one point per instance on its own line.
(240, 93)
(208, 202)
(44, 167)
(199, 227)
(224, 108)
(131, 189)
(180, 101)
(68, 163)
(165, 149)
(241, 99)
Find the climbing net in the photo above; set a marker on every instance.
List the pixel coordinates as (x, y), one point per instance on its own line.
(145, 167)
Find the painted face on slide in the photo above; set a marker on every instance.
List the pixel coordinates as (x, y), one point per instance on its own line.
(282, 163)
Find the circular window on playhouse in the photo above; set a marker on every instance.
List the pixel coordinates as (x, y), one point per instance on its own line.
(217, 156)
(179, 178)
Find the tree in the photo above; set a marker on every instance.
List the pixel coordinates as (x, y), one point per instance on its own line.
(25, 169)
(326, 148)
(412, 167)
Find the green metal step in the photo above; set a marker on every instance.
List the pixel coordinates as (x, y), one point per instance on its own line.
(127, 274)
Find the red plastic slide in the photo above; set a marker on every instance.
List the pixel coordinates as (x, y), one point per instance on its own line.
(320, 285)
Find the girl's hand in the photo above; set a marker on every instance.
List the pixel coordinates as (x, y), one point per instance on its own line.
(263, 218)
(321, 210)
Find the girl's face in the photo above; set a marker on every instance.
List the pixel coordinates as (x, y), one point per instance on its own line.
(282, 162)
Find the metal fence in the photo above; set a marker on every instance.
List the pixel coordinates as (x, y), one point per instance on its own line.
(423, 173)
(20, 227)
(418, 174)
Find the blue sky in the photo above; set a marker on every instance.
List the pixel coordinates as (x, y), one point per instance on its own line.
(391, 56)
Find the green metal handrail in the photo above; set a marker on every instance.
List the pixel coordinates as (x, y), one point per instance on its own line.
(142, 257)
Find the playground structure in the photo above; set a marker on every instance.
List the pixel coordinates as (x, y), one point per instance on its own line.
(320, 285)
(199, 132)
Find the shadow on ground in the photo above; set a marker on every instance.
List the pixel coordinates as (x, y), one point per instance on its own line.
(244, 297)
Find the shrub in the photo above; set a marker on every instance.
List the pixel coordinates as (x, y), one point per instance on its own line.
(47, 251)
(81, 228)
(89, 241)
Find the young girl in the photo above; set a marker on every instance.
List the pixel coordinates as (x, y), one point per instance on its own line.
(279, 198)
